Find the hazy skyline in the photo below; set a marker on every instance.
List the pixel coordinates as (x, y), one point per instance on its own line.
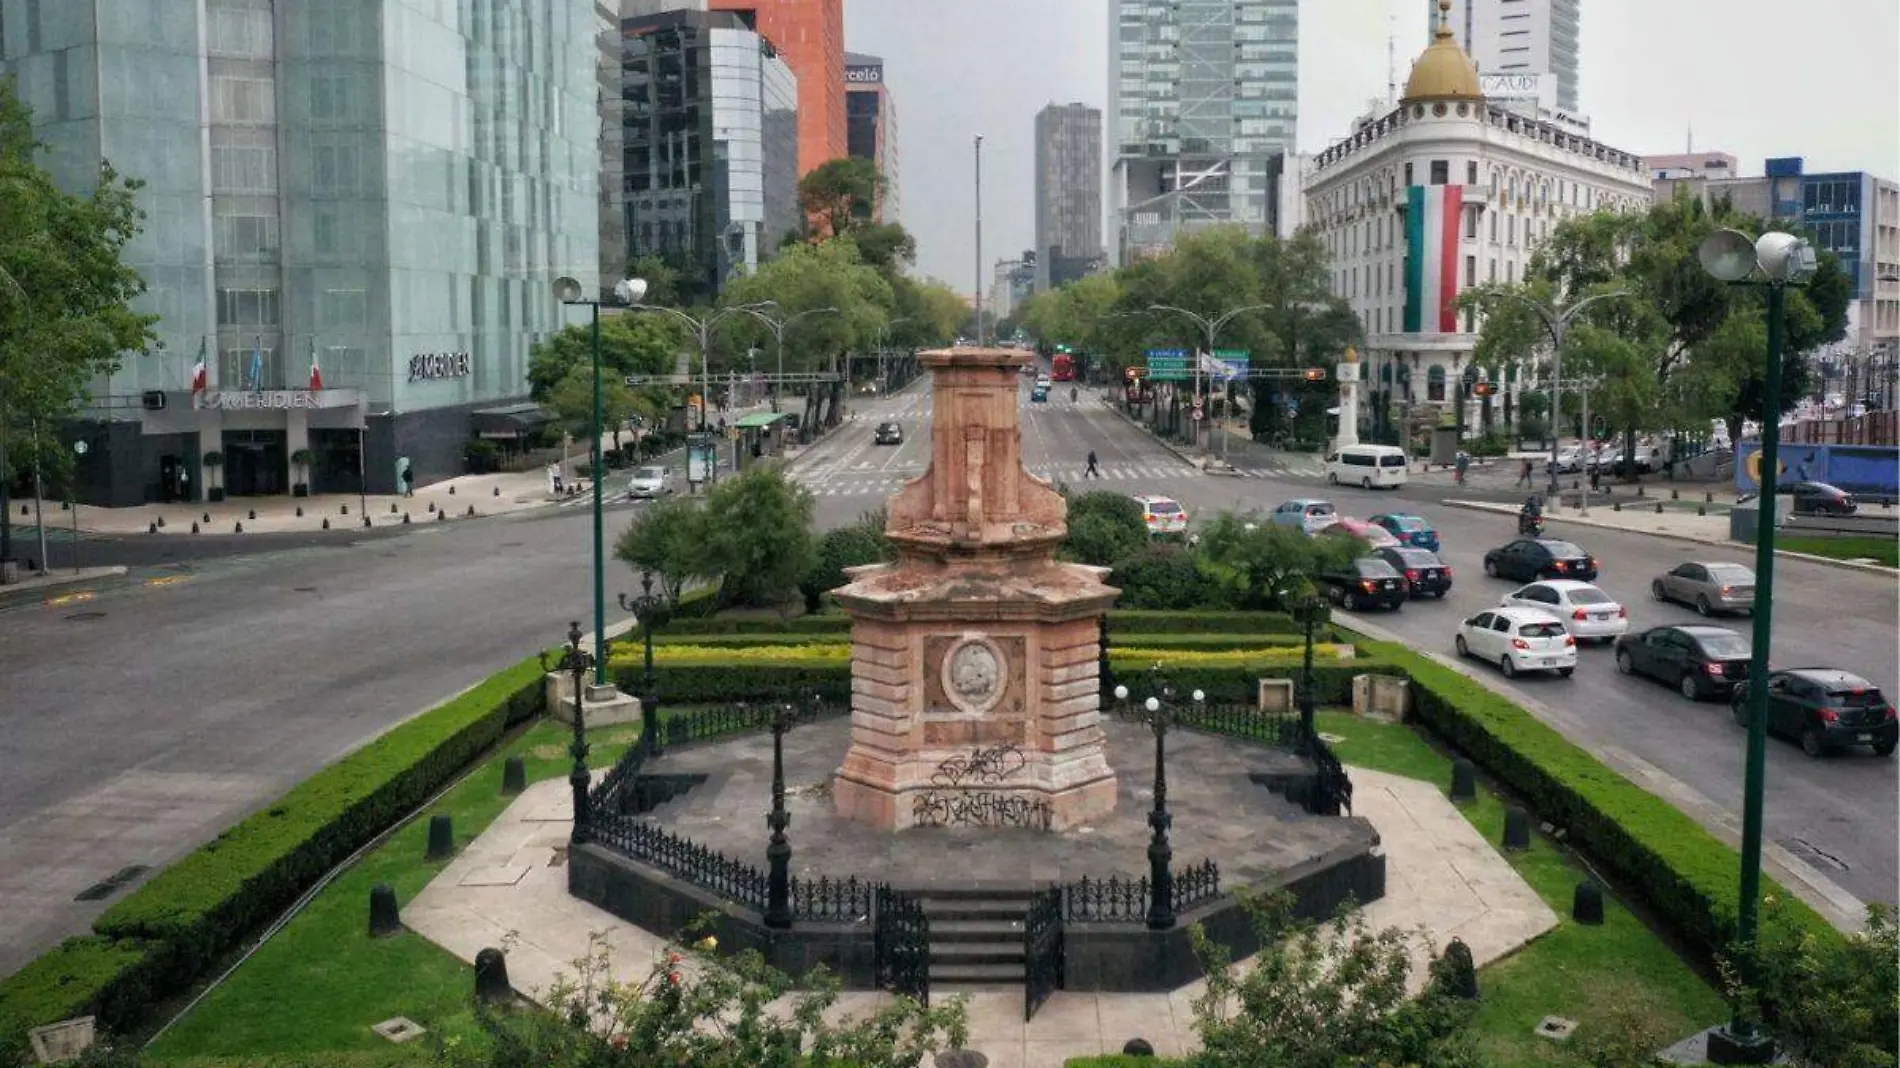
(1828, 91)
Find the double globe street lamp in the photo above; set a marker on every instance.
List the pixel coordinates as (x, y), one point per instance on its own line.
(1158, 712)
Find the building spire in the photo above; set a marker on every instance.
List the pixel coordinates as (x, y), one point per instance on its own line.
(1391, 60)
(1444, 20)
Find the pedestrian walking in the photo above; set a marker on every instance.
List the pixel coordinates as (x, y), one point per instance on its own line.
(408, 481)
(1091, 472)
(1523, 474)
(1463, 465)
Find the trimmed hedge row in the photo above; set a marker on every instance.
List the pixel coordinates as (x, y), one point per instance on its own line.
(162, 936)
(837, 653)
(1123, 622)
(1203, 641)
(1687, 874)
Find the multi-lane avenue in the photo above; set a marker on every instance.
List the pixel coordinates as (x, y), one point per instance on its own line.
(140, 723)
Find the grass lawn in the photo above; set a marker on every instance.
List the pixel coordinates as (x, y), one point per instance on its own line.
(322, 981)
(1880, 550)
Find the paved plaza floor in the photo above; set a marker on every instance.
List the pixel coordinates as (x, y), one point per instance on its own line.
(1442, 881)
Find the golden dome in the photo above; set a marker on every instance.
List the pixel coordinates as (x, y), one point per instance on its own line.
(1443, 71)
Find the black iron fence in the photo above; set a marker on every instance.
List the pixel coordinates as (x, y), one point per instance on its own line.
(1240, 721)
(683, 858)
(831, 900)
(1122, 900)
(1332, 788)
(721, 721)
(1196, 885)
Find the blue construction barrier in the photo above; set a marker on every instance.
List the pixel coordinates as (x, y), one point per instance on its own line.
(1863, 470)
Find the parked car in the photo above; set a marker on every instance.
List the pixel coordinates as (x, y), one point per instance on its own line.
(1696, 658)
(889, 434)
(1424, 572)
(1306, 514)
(1530, 559)
(1819, 498)
(1367, 582)
(1519, 639)
(1711, 587)
(648, 483)
(1409, 529)
(1164, 515)
(1375, 536)
(1587, 613)
(1642, 459)
(1570, 459)
(1826, 709)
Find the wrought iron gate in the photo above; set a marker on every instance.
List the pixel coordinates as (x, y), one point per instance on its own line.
(901, 949)
(1042, 950)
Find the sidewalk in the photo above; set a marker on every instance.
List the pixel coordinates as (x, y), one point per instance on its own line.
(55, 587)
(1442, 879)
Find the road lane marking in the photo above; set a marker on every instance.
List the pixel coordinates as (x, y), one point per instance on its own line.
(167, 580)
(69, 598)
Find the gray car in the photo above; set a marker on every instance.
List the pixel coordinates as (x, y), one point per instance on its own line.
(1710, 586)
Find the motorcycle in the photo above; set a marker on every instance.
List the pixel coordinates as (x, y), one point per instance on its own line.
(1530, 526)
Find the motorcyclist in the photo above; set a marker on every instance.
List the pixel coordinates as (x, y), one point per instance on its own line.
(1530, 519)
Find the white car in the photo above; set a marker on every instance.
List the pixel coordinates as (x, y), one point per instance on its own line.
(648, 483)
(1519, 639)
(1586, 612)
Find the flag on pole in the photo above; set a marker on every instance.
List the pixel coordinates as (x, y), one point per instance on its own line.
(257, 364)
(1432, 218)
(199, 374)
(316, 373)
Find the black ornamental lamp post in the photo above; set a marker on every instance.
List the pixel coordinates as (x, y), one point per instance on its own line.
(1311, 613)
(1106, 674)
(651, 611)
(778, 853)
(1158, 711)
(577, 662)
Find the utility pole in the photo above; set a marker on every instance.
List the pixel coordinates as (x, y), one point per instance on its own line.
(979, 240)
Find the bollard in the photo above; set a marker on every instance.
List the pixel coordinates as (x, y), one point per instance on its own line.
(194, 528)
(1701, 509)
(1708, 498)
(1616, 506)
(1675, 494)
(514, 776)
(252, 516)
(1659, 509)
(471, 511)
(23, 510)
(345, 510)
(1138, 1047)
(451, 491)
(443, 514)
(1464, 780)
(491, 977)
(497, 492)
(441, 837)
(431, 506)
(392, 507)
(206, 517)
(1639, 489)
(65, 506)
(1457, 973)
(1587, 907)
(326, 522)
(384, 918)
(161, 522)
(1517, 828)
(153, 529)
(300, 511)
(366, 522)
(238, 527)
(405, 517)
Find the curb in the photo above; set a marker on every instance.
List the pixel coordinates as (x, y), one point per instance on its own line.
(1827, 561)
(1840, 908)
(60, 591)
(1196, 462)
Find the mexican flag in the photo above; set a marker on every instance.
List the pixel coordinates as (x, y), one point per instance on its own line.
(1431, 261)
(316, 373)
(200, 374)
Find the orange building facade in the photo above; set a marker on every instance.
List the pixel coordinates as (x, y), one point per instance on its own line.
(809, 36)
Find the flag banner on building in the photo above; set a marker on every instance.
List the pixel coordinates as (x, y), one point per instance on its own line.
(200, 374)
(316, 372)
(1431, 263)
(257, 364)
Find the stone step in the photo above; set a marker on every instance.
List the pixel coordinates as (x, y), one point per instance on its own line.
(960, 953)
(942, 975)
(976, 930)
(975, 910)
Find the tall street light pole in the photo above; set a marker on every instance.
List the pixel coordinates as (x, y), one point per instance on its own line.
(702, 331)
(1778, 261)
(883, 334)
(1557, 322)
(777, 327)
(1211, 327)
(568, 291)
(979, 240)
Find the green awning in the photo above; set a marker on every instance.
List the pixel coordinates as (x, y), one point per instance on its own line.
(759, 420)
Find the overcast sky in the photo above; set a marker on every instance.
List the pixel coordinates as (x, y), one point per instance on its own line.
(1816, 79)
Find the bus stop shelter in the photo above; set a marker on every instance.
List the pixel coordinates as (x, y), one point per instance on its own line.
(762, 434)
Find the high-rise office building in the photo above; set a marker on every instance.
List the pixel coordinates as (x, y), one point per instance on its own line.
(1068, 193)
(809, 36)
(1519, 37)
(709, 177)
(359, 185)
(1206, 107)
(871, 126)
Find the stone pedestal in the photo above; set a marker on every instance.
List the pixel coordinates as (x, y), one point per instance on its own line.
(975, 693)
(604, 706)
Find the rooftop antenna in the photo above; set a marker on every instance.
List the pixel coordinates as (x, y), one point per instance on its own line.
(1391, 60)
(1690, 146)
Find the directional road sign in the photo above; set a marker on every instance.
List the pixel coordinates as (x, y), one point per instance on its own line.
(1168, 365)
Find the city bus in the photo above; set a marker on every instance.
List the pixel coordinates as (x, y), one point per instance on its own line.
(1062, 367)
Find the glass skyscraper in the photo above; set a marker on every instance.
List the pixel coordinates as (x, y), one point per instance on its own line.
(1206, 109)
(385, 189)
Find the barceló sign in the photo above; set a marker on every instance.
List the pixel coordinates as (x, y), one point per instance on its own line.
(432, 365)
(864, 75)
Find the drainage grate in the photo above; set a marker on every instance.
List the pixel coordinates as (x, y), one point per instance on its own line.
(86, 617)
(99, 891)
(1812, 853)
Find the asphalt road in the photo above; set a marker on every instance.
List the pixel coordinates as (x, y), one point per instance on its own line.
(139, 724)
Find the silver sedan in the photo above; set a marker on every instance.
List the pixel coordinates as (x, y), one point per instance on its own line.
(1709, 586)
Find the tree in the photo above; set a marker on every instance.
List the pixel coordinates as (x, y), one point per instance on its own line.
(826, 275)
(1263, 565)
(668, 539)
(854, 545)
(839, 194)
(662, 276)
(885, 247)
(65, 292)
(1830, 1000)
(1166, 577)
(1078, 315)
(757, 537)
(572, 401)
(1104, 528)
(630, 344)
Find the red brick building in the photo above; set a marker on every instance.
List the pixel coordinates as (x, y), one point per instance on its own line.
(809, 36)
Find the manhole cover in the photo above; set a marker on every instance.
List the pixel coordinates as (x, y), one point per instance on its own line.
(86, 617)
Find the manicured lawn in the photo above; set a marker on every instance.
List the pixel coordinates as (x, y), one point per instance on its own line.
(1880, 550)
(322, 981)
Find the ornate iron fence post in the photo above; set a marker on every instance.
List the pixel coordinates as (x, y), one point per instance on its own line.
(1158, 711)
(778, 853)
(652, 612)
(1312, 612)
(1104, 671)
(578, 662)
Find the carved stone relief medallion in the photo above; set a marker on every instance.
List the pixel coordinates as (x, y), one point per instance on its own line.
(975, 674)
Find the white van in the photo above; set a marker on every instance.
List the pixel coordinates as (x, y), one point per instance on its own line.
(1368, 466)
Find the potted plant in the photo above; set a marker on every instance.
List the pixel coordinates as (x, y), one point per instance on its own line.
(214, 484)
(301, 460)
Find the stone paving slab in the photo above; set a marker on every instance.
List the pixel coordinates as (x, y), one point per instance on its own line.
(1435, 865)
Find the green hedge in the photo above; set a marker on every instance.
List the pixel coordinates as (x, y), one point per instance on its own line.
(162, 936)
(1206, 642)
(1687, 874)
(1120, 623)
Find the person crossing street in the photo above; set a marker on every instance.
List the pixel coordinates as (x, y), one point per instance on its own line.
(1092, 472)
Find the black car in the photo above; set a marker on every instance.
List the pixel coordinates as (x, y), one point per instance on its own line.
(890, 434)
(1697, 659)
(1819, 498)
(1826, 709)
(1367, 582)
(1531, 559)
(1424, 572)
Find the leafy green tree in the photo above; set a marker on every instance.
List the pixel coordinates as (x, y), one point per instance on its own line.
(1263, 565)
(1829, 1001)
(630, 344)
(572, 401)
(841, 194)
(1167, 577)
(1078, 315)
(757, 537)
(886, 247)
(854, 545)
(668, 539)
(830, 274)
(65, 292)
(1104, 527)
(662, 275)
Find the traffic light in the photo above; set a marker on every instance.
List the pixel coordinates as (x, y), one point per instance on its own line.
(1484, 389)
(1131, 373)
(1316, 374)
